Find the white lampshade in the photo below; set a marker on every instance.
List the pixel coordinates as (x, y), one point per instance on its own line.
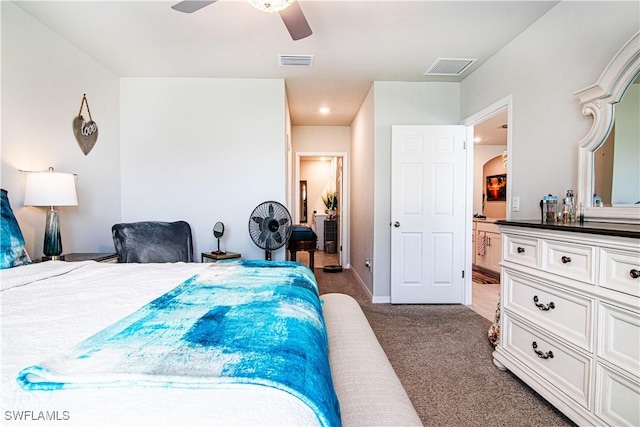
(50, 189)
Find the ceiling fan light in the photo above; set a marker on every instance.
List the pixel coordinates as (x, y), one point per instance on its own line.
(270, 5)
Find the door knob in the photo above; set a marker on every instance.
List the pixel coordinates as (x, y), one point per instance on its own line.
(396, 224)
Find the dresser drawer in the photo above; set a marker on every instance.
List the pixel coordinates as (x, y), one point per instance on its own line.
(569, 260)
(620, 271)
(619, 337)
(563, 313)
(619, 398)
(566, 369)
(521, 250)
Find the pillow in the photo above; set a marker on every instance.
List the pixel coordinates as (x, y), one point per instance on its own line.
(12, 252)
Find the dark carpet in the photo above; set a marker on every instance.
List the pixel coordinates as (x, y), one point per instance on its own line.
(443, 359)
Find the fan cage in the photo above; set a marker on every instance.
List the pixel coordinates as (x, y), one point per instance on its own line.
(270, 225)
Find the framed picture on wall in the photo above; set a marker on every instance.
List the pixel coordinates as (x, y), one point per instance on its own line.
(496, 188)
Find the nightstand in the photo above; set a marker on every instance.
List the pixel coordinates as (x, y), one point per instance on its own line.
(85, 256)
(217, 257)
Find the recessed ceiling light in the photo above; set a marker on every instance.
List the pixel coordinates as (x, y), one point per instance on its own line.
(324, 110)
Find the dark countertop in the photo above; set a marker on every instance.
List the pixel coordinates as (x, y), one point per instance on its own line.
(589, 227)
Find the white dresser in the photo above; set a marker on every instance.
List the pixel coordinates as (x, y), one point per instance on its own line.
(570, 321)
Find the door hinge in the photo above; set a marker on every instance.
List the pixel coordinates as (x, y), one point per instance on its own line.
(464, 145)
(463, 274)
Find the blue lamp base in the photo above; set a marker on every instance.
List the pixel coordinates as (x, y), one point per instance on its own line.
(52, 248)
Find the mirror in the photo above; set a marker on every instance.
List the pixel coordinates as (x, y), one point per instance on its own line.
(618, 189)
(303, 202)
(616, 173)
(218, 231)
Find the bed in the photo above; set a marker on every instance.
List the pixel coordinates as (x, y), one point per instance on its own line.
(62, 320)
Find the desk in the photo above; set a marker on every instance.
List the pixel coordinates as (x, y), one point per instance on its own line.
(217, 257)
(302, 245)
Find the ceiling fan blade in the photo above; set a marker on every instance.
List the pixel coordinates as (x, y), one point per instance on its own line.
(295, 21)
(190, 6)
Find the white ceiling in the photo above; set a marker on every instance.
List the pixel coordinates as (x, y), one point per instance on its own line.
(354, 42)
(492, 131)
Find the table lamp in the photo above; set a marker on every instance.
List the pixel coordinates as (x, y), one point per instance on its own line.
(51, 189)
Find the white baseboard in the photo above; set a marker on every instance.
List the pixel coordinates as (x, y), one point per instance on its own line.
(374, 300)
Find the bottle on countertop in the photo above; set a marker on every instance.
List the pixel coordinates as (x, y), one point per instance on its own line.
(548, 206)
(581, 213)
(597, 201)
(569, 208)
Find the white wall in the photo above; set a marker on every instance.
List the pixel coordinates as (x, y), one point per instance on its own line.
(495, 209)
(562, 52)
(362, 190)
(320, 177)
(481, 155)
(319, 140)
(401, 103)
(203, 150)
(43, 80)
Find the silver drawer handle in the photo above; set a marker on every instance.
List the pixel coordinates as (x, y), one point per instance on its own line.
(543, 307)
(541, 355)
(565, 259)
(634, 273)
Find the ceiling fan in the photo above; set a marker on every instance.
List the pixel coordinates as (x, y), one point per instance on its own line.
(289, 11)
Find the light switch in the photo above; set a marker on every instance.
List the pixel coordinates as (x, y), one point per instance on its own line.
(515, 204)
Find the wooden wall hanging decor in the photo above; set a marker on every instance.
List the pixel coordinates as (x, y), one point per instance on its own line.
(86, 133)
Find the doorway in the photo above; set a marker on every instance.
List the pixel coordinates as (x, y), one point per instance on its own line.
(326, 197)
(490, 165)
(491, 153)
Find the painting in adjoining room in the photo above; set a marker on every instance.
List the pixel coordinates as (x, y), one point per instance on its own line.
(497, 188)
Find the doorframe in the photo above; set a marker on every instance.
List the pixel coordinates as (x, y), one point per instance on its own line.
(343, 205)
(505, 103)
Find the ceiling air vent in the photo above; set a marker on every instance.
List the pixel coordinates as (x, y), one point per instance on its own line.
(295, 60)
(449, 66)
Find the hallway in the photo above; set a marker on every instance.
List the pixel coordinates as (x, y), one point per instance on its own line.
(485, 295)
(320, 259)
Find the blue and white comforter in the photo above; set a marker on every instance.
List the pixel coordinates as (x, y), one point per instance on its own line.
(244, 322)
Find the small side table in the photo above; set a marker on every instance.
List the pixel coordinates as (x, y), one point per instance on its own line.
(89, 256)
(302, 245)
(217, 257)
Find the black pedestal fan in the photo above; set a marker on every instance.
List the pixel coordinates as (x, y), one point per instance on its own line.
(270, 226)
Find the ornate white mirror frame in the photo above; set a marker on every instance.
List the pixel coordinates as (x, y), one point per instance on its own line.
(598, 100)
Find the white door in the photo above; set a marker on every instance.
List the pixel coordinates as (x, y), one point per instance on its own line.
(428, 176)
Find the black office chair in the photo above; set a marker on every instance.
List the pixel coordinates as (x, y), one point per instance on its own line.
(153, 241)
